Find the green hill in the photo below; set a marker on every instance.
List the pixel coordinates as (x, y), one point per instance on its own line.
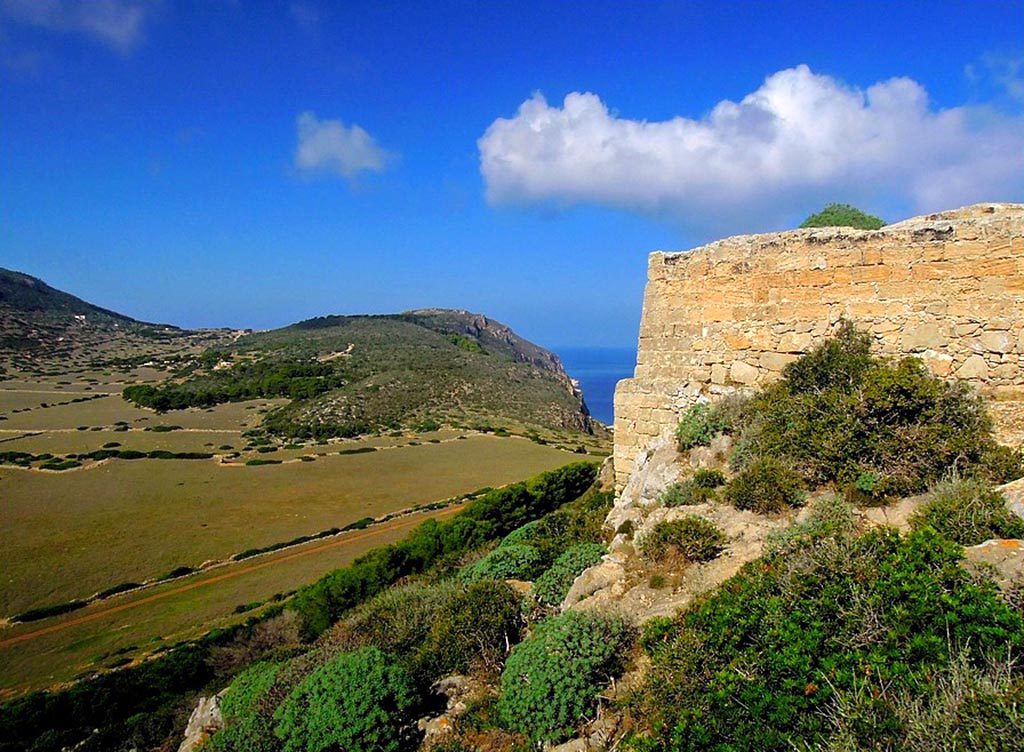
(42, 327)
(349, 375)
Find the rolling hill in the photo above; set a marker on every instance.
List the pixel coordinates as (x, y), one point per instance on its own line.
(349, 375)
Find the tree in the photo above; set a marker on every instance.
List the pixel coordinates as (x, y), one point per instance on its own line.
(843, 215)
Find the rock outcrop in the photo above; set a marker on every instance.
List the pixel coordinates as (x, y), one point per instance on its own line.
(947, 288)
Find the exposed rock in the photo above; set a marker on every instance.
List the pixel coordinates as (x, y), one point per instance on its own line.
(743, 373)
(974, 367)
(457, 690)
(205, 720)
(1014, 495)
(1005, 557)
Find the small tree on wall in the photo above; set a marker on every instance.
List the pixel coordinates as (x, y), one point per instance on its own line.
(843, 215)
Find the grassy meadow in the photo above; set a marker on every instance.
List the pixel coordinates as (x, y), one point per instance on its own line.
(182, 609)
(69, 534)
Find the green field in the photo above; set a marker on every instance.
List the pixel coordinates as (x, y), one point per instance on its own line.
(68, 535)
(61, 655)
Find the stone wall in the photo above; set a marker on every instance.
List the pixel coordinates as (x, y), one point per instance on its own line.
(948, 288)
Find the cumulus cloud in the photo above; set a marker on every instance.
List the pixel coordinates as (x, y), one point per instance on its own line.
(330, 146)
(120, 24)
(800, 137)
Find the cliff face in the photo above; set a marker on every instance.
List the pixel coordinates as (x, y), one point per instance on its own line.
(947, 288)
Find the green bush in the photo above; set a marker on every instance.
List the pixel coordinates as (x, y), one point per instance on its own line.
(966, 708)
(767, 485)
(839, 414)
(757, 664)
(969, 512)
(693, 537)
(696, 490)
(472, 629)
(357, 702)
(551, 680)
(698, 426)
(843, 215)
(397, 621)
(245, 730)
(708, 478)
(828, 517)
(552, 586)
(515, 562)
(1002, 464)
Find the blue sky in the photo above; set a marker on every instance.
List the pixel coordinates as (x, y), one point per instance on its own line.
(212, 163)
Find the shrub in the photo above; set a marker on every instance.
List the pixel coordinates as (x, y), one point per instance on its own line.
(1001, 464)
(828, 517)
(967, 708)
(245, 730)
(358, 702)
(843, 215)
(698, 426)
(397, 621)
(767, 485)
(552, 586)
(693, 537)
(707, 478)
(839, 413)
(551, 680)
(515, 562)
(969, 512)
(757, 664)
(473, 628)
(696, 490)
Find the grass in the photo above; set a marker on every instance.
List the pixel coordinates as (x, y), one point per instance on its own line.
(59, 656)
(117, 528)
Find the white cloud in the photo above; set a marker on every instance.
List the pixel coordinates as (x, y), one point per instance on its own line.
(801, 138)
(120, 24)
(331, 146)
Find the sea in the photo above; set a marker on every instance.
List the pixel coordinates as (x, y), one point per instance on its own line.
(598, 370)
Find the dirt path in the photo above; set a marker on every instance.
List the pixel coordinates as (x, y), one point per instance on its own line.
(342, 540)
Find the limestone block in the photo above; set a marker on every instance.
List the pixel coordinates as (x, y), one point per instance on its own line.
(923, 337)
(776, 361)
(795, 343)
(974, 367)
(743, 373)
(999, 342)
(938, 363)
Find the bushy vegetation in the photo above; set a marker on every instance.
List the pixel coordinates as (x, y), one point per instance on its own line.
(692, 537)
(968, 511)
(840, 415)
(358, 702)
(843, 215)
(471, 630)
(760, 663)
(490, 517)
(513, 562)
(698, 426)
(245, 730)
(698, 489)
(551, 587)
(769, 484)
(551, 680)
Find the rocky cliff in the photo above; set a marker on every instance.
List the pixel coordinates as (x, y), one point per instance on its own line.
(946, 287)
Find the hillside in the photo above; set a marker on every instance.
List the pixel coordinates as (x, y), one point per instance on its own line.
(349, 375)
(43, 328)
